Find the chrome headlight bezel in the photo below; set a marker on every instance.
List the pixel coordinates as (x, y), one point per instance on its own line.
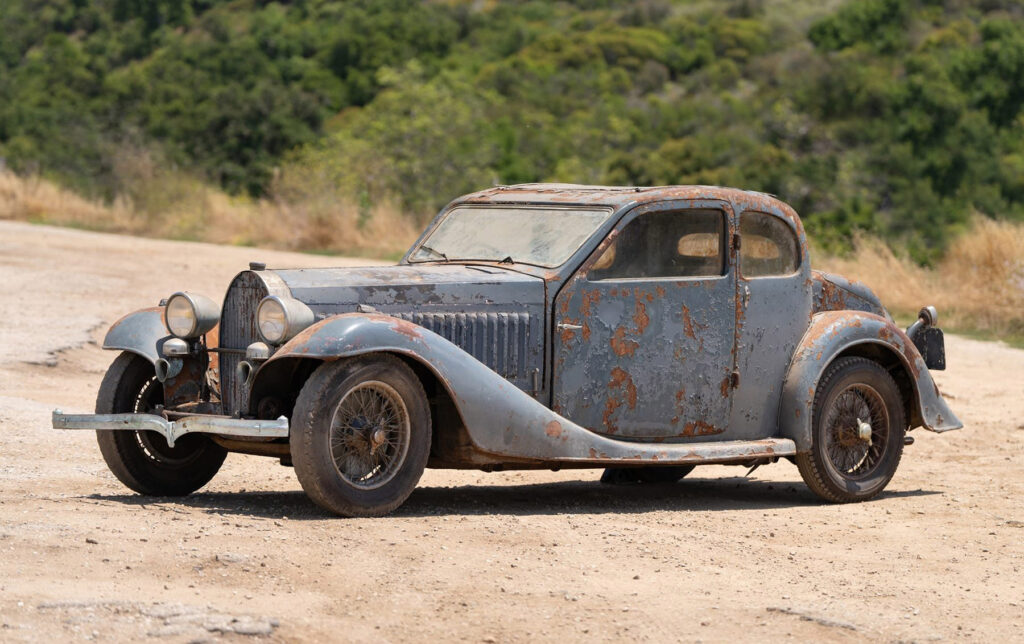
(292, 316)
(203, 315)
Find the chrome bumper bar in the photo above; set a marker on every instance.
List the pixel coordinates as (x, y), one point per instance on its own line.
(172, 430)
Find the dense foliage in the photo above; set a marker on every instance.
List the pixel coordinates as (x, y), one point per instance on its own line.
(901, 118)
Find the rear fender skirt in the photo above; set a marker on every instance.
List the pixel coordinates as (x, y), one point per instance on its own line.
(142, 332)
(500, 419)
(829, 335)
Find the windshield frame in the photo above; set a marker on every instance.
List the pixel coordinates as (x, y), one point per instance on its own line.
(608, 211)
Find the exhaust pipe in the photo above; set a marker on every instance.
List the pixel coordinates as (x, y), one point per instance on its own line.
(168, 368)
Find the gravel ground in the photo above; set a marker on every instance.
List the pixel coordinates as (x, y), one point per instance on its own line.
(470, 556)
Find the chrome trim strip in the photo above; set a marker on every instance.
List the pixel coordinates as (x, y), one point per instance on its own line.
(172, 430)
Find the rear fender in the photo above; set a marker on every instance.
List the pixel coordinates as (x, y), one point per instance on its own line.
(829, 335)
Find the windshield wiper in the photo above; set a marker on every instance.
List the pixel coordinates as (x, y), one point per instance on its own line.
(435, 252)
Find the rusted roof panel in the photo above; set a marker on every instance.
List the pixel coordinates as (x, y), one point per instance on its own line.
(615, 196)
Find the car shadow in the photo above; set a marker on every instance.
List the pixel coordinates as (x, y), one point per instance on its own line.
(565, 497)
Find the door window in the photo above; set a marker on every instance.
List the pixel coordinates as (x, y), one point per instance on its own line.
(688, 243)
(769, 247)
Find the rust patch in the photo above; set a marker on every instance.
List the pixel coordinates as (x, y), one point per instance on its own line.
(621, 345)
(660, 290)
(699, 428)
(408, 329)
(553, 429)
(564, 304)
(609, 410)
(589, 298)
(724, 387)
(688, 323)
(620, 377)
(640, 317)
(566, 336)
(829, 296)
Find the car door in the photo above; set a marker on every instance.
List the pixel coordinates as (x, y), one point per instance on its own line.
(774, 305)
(645, 329)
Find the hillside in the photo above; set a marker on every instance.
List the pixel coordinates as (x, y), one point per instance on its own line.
(900, 119)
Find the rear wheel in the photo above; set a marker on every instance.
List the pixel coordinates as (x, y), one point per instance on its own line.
(360, 435)
(663, 474)
(858, 429)
(142, 460)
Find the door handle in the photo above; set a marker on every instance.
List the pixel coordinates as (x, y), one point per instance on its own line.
(564, 326)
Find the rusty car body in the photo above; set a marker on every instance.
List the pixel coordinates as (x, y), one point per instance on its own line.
(642, 330)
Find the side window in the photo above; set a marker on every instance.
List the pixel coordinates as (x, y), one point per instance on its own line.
(687, 243)
(769, 246)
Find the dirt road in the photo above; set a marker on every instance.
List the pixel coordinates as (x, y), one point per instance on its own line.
(471, 556)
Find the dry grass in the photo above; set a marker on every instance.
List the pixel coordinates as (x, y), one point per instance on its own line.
(179, 207)
(978, 286)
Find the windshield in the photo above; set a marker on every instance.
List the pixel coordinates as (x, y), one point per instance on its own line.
(538, 235)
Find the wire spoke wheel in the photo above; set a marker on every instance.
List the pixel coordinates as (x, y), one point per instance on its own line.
(369, 435)
(852, 452)
(361, 434)
(857, 431)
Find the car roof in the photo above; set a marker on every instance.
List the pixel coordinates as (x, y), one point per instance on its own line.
(617, 196)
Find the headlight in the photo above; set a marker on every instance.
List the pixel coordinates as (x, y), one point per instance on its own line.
(280, 319)
(189, 315)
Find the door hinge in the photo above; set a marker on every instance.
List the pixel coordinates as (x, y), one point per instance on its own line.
(735, 379)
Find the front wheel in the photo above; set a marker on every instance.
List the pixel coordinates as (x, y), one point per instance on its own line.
(142, 460)
(858, 429)
(360, 435)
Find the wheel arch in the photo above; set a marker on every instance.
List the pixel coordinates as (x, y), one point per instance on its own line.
(835, 334)
(895, 363)
(287, 375)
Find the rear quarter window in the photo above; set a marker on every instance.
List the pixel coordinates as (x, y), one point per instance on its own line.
(769, 247)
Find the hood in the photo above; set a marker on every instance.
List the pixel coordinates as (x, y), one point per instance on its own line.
(455, 288)
(495, 315)
(836, 293)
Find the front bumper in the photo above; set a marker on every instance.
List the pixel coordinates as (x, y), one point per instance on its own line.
(172, 430)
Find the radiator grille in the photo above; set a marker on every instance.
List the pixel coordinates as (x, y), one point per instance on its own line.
(505, 342)
(238, 331)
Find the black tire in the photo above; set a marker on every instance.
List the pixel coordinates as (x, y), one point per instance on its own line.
(841, 466)
(361, 435)
(142, 460)
(662, 474)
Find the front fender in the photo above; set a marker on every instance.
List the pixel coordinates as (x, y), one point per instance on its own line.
(142, 332)
(829, 335)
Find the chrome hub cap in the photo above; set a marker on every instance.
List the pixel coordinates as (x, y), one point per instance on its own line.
(856, 431)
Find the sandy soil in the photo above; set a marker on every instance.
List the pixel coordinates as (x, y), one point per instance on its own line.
(471, 556)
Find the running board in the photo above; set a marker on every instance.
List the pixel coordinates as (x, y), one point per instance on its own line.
(688, 453)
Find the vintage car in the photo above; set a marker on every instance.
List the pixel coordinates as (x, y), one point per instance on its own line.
(641, 330)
